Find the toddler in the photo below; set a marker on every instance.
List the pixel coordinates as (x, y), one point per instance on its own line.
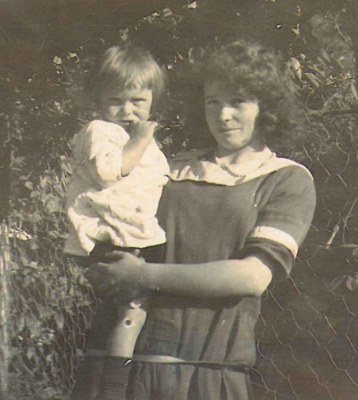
(118, 176)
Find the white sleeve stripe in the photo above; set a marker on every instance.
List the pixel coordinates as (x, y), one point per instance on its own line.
(276, 235)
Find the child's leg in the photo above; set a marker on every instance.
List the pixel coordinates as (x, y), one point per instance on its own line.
(120, 346)
(123, 337)
(89, 379)
(115, 379)
(131, 318)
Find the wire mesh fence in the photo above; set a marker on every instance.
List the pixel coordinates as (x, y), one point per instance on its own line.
(49, 314)
(307, 335)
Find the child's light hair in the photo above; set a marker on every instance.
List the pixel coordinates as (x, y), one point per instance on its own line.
(127, 67)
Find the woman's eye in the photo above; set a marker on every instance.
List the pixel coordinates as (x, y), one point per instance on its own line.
(236, 102)
(211, 102)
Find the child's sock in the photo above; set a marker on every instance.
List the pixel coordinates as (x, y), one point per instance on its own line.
(115, 378)
(88, 382)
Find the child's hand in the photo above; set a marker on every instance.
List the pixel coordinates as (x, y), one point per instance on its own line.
(143, 129)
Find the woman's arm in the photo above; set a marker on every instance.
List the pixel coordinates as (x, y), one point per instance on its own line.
(217, 279)
(225, 278)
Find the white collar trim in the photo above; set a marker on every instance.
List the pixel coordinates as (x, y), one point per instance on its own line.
(197, 166)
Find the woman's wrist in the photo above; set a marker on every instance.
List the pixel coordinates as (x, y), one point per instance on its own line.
(146, 275)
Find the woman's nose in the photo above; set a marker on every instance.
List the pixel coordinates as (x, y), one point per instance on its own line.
(226, 113)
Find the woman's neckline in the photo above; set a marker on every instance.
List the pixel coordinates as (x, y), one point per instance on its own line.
(246, 165)
(238, 157)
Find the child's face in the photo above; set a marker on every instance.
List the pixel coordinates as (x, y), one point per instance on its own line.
(122, 107)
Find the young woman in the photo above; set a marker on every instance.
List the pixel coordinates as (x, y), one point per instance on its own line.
(235, 216)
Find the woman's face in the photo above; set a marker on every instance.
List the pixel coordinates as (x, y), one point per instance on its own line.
(231, 118)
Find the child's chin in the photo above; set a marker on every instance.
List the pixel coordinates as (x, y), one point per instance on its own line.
(125, 125)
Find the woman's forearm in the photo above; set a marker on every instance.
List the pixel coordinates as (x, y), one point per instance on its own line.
(248, 277)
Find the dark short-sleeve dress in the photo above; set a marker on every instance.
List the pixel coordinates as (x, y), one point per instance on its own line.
(212, 213)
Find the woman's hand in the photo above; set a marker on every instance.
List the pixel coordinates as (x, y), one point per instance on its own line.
(119, 280)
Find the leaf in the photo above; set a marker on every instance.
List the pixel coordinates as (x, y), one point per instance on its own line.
(52, 234)
(20, 322)
(192, 5)
(352, 282)
(296, 30)
(29, 185)
(336, 282)
(43, 181)
(195, 54)
(52, 203)
(312, 78)
(33, 244)
(23, 257)
(355, 252)
(354, 91)
(72, 56)
(30, 353)
(28, 281)
(57, 60)
(66, 164)
(167, 12)
(326, 56)
(59, 321)
(296, 66)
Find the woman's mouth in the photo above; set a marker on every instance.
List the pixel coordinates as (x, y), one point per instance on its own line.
(229, 130)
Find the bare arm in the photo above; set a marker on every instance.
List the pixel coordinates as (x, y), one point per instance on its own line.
(218, 279)
(141, 136)
(225, 278)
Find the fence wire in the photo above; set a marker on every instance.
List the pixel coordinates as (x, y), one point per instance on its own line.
(307, 335)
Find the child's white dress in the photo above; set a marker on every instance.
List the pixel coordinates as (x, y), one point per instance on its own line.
(102, 205)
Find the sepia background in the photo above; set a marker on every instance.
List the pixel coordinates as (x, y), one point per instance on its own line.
(307, 335)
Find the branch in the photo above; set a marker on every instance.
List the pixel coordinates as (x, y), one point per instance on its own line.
(341, 111)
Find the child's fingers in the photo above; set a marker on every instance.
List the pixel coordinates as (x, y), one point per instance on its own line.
(109, 287)
(125, 297)
(111, 293)
(95, 271)
(143, 128)
(115, 255)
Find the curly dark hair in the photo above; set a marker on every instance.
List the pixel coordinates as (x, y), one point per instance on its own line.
(261, 75)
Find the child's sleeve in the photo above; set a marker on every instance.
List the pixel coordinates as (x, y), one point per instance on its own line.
(98, 150)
